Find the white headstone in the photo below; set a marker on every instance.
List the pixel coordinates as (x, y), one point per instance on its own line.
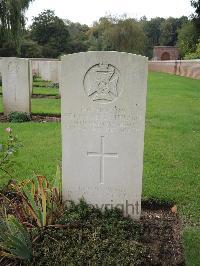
(103, 120)
(1, 65)
(30, 77)
(48, 70)
(16, 85)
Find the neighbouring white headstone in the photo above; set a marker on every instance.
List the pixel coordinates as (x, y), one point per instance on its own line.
(1, 65)
(47, 69)
(103, 120)
(16, 85)
(30, 77)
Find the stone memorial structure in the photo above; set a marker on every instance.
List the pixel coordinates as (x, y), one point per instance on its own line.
(16, 85)
(164, 53)
(103, 120)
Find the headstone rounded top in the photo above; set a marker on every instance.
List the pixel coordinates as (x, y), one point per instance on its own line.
(106, 53)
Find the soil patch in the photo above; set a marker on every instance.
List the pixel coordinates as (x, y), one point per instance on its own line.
(161, 234)
(47, 96)
(45, 118)
(3, 118)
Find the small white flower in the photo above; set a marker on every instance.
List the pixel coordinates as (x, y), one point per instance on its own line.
(8, 129)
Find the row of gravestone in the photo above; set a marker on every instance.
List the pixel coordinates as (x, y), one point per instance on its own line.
(103, 119)
(17, 77)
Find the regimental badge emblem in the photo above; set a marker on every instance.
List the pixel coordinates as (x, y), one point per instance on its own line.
(101, 83)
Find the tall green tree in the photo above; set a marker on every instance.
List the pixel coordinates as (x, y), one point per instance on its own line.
(153, 32)
(78, 41)
(12, 22)
(189, 34)
(118, 34)
(196, 16)
(187, 38)
(50, 32)
(127, 36)
(98, 32)
(169, 30)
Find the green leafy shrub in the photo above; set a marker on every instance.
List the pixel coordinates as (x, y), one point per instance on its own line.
(195, 55)
(19, 117)
(36, 77)
(53, 85)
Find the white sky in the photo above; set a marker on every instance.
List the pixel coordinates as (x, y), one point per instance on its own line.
(88, 11)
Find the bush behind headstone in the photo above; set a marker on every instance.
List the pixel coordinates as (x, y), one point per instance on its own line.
(19, 117)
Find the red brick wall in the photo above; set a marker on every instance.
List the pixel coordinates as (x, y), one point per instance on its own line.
(186, 68)
(158, 51)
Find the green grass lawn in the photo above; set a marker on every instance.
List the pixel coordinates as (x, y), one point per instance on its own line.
(45, 106)
(42, 87)
(172, 149)
(41, 83)
(42, 90)
(46, 91)
(41, 152)
(41, 106)
(172, 142)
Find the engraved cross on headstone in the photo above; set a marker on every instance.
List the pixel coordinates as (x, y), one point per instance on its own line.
(102, 155)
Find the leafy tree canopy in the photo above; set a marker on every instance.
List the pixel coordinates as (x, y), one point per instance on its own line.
(78, 36)
(196, 16)
(196, 5)
(187, 38)
(169, 30)
(51, 32)
(119, 34)
(12, 21)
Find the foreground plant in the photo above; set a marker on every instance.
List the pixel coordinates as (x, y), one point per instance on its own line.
(24, 207)
(42, 203)
(15, 240)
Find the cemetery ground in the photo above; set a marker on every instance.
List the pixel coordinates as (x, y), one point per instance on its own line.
(171, 155)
